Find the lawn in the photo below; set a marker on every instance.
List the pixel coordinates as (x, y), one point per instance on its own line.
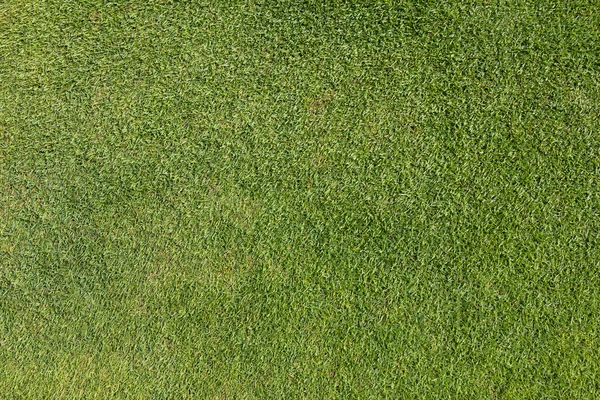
(300, 199)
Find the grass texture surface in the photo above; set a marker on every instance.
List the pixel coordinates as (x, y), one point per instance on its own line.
(300, 199)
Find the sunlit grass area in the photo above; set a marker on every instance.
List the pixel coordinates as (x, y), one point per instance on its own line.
(300, 199)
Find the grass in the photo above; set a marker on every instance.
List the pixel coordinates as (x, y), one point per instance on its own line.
(284, 199)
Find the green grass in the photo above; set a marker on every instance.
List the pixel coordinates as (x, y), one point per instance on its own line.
(300, 199)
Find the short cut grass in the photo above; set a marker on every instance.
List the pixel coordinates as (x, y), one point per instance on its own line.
(300, 199)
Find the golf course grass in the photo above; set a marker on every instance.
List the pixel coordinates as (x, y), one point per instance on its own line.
(300, 199)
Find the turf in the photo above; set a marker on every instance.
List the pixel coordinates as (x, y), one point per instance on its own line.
(300, 199)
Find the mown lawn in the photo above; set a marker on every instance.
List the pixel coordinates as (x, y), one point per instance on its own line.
(300, 199)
